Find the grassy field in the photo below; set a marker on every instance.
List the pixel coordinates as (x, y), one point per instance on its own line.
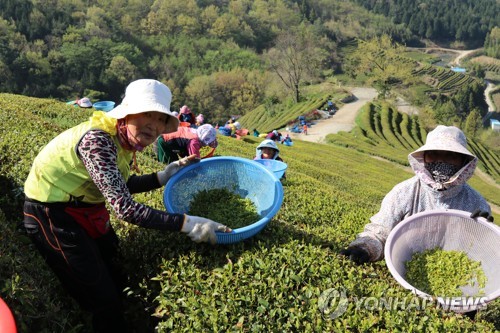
(495, 96)
(277, 281)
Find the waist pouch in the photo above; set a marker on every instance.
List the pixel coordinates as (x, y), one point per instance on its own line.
(95, 219)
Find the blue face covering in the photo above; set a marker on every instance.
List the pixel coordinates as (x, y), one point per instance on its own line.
(441, 172)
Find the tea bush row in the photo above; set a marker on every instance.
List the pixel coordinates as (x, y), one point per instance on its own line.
(269, 283)
(444, 79)
(376, 135)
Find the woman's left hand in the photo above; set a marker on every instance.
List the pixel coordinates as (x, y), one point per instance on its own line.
(174, 167)
(480, 213)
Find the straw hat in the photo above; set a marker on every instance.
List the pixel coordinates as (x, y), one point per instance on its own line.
(146, 95)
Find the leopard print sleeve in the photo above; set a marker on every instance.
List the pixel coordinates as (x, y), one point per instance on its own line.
(98, 153)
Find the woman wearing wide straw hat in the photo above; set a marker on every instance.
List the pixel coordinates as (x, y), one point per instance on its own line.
(442, 167)
(77, 173)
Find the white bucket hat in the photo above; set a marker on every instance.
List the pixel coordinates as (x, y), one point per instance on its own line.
(146, 95)
(268, 143)
(448, 138)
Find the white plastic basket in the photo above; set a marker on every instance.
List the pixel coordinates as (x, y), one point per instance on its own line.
(450, 230)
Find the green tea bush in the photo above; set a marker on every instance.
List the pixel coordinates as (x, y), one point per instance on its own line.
(271, 282)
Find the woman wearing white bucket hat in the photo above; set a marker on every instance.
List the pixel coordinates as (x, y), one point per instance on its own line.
(442, 167)
(80, 170)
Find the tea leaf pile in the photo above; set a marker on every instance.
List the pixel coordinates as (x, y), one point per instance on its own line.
(442, 273)
(224, 206)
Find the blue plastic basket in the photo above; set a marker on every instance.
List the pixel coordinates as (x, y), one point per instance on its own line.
(104, 106)
(248, 179)
(278, 168)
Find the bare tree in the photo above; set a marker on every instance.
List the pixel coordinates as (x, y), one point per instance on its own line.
(296, 58)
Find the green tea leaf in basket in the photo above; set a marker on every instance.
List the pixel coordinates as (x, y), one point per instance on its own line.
(224, 206)
(441, 273)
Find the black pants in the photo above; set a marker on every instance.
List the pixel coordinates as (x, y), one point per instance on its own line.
(85, 266)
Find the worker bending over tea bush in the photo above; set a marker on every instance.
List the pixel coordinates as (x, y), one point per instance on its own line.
(80, 170)
(442, 167)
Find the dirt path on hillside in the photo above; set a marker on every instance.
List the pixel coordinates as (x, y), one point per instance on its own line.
(463, 54)
(491, 106)
(342, 120)
(456, 61)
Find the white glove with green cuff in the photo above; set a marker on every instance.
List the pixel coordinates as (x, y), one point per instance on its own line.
(200, 229)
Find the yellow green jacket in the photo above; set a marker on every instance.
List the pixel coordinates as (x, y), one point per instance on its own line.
(58, 174)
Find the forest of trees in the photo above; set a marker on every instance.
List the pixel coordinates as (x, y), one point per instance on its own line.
(212, 54)
(219, 56)
(467, 21)
(492, 43)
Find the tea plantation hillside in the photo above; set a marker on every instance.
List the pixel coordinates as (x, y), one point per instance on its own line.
(270, 116)
(384, 132)
(269, 283)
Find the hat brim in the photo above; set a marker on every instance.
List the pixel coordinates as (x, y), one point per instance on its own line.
(446, 146)
(121, 111)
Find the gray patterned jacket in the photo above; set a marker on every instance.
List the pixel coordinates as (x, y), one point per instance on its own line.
(417, 194)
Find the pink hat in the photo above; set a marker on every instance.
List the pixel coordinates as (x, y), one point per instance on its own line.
(185, 109)
(200, 118)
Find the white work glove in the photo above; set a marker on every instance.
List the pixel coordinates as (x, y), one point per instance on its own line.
(172, 168)
(200, 229)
